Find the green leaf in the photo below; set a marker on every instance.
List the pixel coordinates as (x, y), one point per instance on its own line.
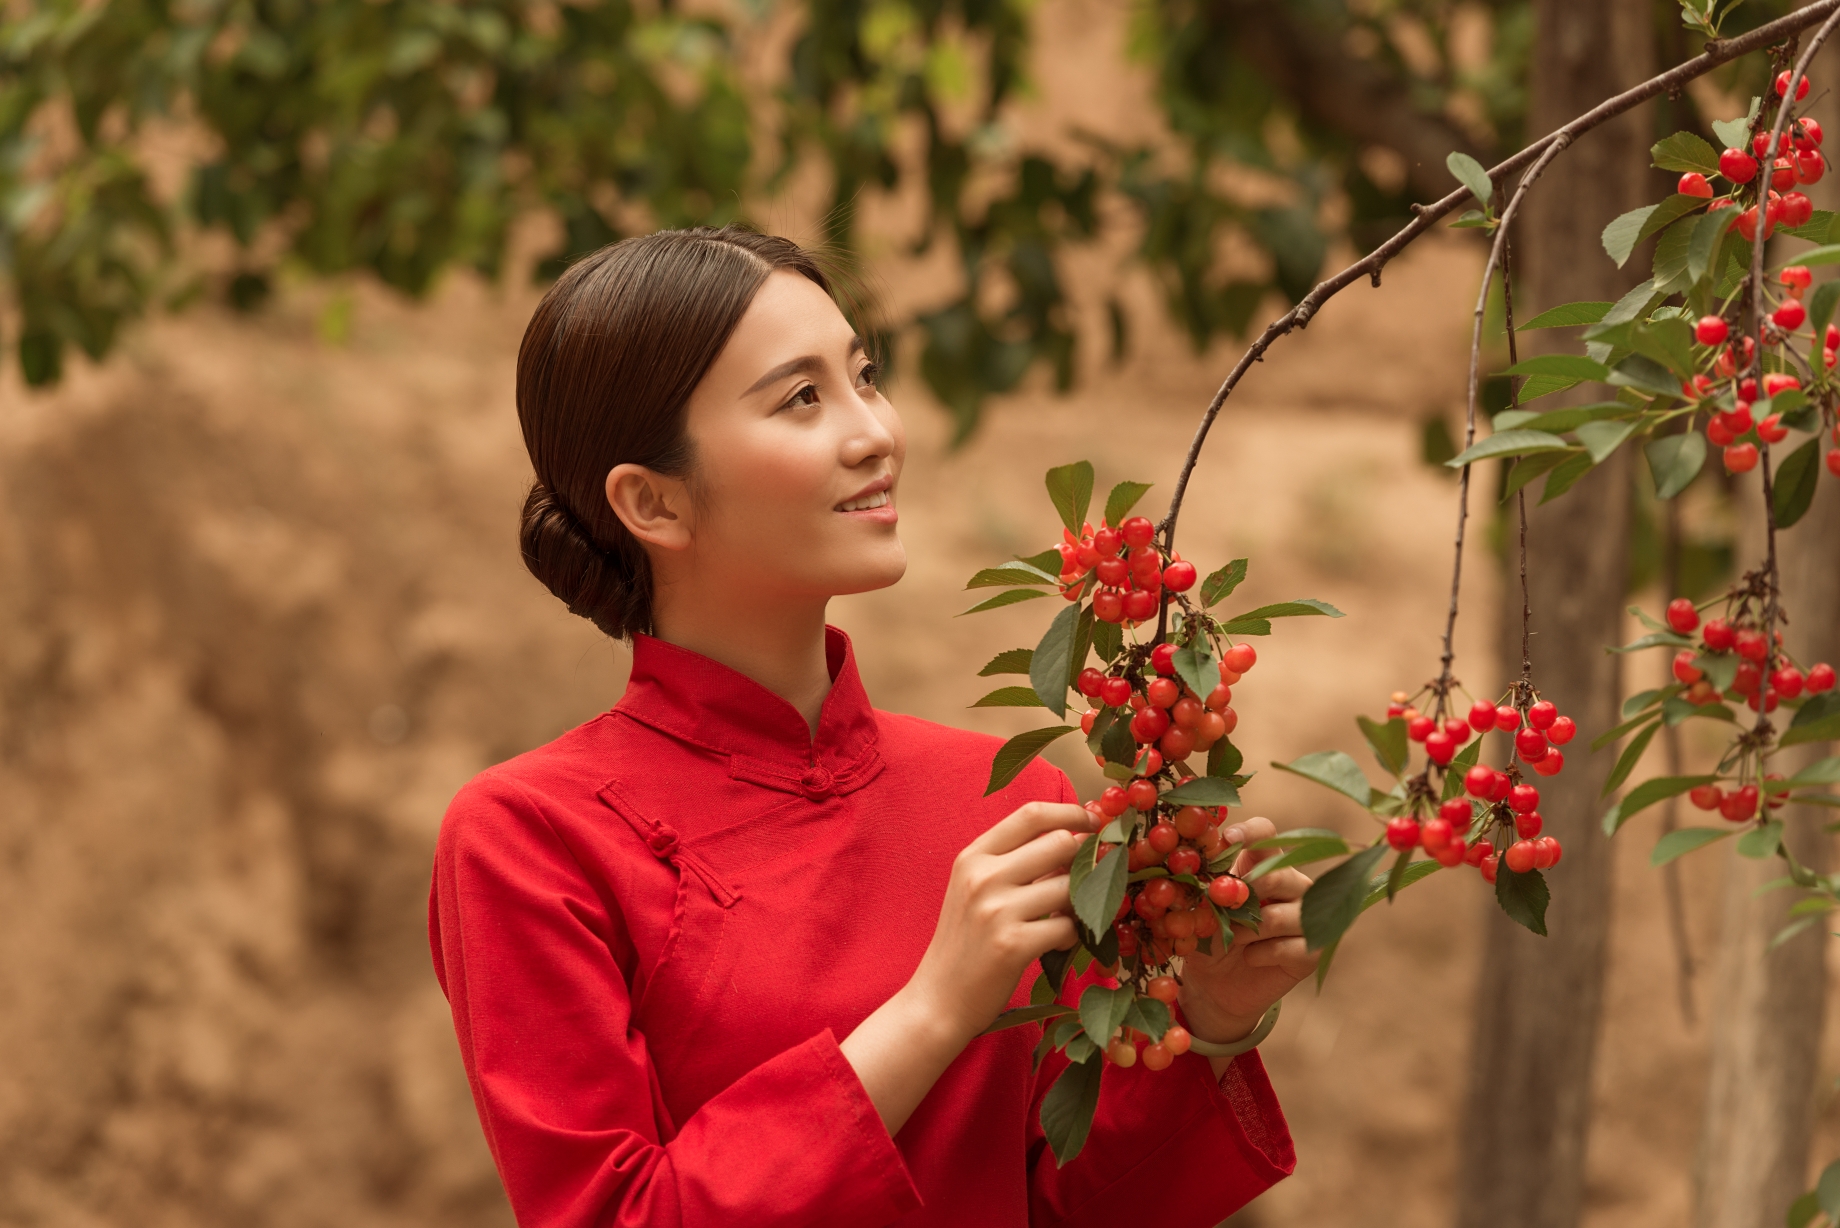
(1334, 769)
(1538, 386)
(1654, 639)
(1123, 498)
(1048, 666)
(1333, 901)
(1634, 305)
(1818, 720)
(1011, 573)
(1565, 475)
(1720, 668)
(1735, 133)
(1673, 251)
(1096, 899)
(1708, 234)
(1010, 697)
(1803, 1210)
(1819, 228)
(1644, 374)
(1827, 1191)
(1683, 840)
(1007, 597)
(1067, 1110)
(1102, 1011)
(1567, 315)
(1570, 366)
(1761, 841)
(1610, 735)
(1529, 468)
(1670, 343)
(1472, 175)
(1195, 665)
(1246, 626)
(1203, 791)
(1675, 460)
(1558, 421)
(1685, 151)
(1828, 254)
(1600, 439)
(1301, 853)
(1048, 562)
(1472, 219)
(1070, 487)
(1522, 896)
(1222, 583)
(1117, 745)
(1453, 778)
(1302, 607)
(1647, 794)
(1224, 758)
(1398, 881)
(1508, 443)
(1033, 1013)
(1821, 305)
(1149, 1016)
(1013, 661)
(1391, 746)
(1643, 700)
(1826, 772)
(1621, 235)
(1626, 762)
(1108, 640)
(1796, 479)
(1014, 755)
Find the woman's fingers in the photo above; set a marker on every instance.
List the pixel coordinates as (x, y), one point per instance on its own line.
(1291, 955)
(1039, 899)
(1247, 833)
(1280, 885)
(1049, 853)
(1025, 823)
(1280, 921)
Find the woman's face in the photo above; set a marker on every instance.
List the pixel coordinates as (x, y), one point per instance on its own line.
(797, 460)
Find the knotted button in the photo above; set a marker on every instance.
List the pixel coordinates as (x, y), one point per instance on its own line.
(663, 841)
(817, 782)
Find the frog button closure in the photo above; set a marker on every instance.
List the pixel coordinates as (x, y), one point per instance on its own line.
(817, 783)
(663, 842)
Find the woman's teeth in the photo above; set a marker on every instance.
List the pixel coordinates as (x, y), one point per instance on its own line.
(878, 499)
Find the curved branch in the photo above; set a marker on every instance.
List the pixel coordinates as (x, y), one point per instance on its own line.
(1370, 266)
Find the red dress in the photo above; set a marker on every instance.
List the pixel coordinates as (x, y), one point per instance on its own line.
(654, 931)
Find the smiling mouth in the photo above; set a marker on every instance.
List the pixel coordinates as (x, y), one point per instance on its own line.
(880, 498)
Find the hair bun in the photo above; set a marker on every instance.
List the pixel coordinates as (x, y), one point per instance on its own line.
(592, 581)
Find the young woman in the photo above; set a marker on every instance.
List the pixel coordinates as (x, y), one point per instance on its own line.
(722, 955)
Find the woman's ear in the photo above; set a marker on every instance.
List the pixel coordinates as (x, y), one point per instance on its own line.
(653, 507)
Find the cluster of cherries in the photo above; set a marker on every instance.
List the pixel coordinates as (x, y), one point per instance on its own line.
(1538, 734)
(1132, 573)
(1735, 429)
(1798, 161)
(1165, 916)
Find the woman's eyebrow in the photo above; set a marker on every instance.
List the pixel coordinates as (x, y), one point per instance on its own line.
(798, 366)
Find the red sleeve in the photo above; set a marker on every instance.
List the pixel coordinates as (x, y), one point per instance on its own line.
(1155, 1125)
(525, 948)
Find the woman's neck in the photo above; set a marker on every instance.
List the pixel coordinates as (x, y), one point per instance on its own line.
(780, 648)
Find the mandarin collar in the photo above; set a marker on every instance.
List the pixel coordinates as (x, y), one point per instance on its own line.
(701, 701)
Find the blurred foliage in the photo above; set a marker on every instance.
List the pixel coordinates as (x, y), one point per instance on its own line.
(402, 137)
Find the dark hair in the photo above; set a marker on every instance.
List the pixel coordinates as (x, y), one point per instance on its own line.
(604, 376)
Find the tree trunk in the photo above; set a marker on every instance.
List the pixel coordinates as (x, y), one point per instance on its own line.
(1539, 999)
(1767, 1006)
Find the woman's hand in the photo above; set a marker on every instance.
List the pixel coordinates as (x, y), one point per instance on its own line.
(1224, 995)
(1005, 904)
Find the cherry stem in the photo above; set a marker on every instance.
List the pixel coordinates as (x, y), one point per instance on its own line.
(1718, 52)
(1514, 402)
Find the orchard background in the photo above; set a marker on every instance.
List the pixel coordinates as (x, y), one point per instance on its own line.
(263, 610)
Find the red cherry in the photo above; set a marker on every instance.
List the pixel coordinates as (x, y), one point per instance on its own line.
(1563, 730)
(1457, 813)
(1507, 719)
(1176, 1039)
(1163, 837)
(1711, 330)
(1480, 781)
(1149, 725)
(1543, 714)
(1499, 792)
(1523, 799)
(1115, 692)
(1833, 456)
(1229, 720)
(1741, 458)
(1747, 224)
(1436, 833)
(1141, 795)
(1782, 175)
(1752, 645)
(1239, 658)
(1402, 833)
(1163, 661)
(1747, 678)
(1482, 716)
(1179, 576)
(1737, 166)
(1137, 531)
(1528, 825)
(1771, 429)
(1790, 315)
(1176, 744)
(1809, 166)
(1782, 84)
(1108, 605)
(1449, 855)
(1140, 605)
(1146, 565)
(1420, 727)
(1122, 1053)
(1440, 748)
(1113, 801)
(1683, 667)
(1553, 761)
(1187, 713)
(1530, 744)
(1474, 854)
(1163, 691)
(1113, 571)
(1106, 541)
(1807, 134)
(1706, 797)
(1163, 988)
(1087, 720)
(1228, 892)
(1191, 821)
(1694, 184)
(1457, 730)
(1820, 678)
(1740, 804)
(1796, 276)
(1219, 698)
(1520, 856)
(1487, 866)
(1717, 433)
(1184, 861)
(1156, 1056)
(1090, 682)
(1777, 381)
(1719, 635)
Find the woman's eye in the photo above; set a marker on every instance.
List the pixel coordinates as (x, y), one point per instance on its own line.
(869, 376)
(806, 395)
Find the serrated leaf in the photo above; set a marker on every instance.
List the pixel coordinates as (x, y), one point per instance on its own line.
(1010, 697)
(1009, 574)
(1102, 1011)
(1334, 769)
(1117, 745)
(1522, 896)
(1685, 151)
(1011, 661)
(1675, 460)
(1670, 343)
(1391, 746)
(1194, 663)
(1222, 583)
(1626, 762)
(1453, 778)
(1015, 754)
(1300, 608)
(1622, 234)
(1246, 626)
(1096, 898)
(1647, 794)
(1531, 468)
(1796, 479)
(1224, 758)
(1070, 487)
(1067, 1110)
(1818, 720)
(1048, 666)
(1007, 597)
(1108, 640)
(1508, 443)
(1634, 305)
(1537, 386)
(1565, 475)
(1203, 791)
(1567, 315)
(1123, 498)
(1672, 252)
(1708, 234)
(1558, 421)
(1600, 439)
(1644, 374)
(1684, 840)
(1333, 901)
(1735, 133)
(1472, 175)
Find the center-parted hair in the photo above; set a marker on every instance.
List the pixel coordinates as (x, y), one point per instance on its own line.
(604, 377)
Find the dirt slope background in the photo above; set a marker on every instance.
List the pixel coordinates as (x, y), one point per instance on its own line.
(262, 614)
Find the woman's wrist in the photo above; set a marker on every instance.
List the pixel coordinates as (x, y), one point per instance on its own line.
(1205, 1022)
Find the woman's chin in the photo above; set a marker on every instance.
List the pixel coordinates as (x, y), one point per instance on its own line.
(866, 574)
